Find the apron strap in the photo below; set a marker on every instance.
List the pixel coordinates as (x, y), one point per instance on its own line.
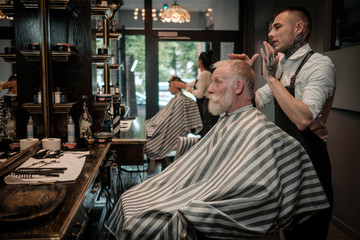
(293, 78)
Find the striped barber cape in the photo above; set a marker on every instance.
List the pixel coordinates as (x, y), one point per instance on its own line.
(176, 119)
(246, 178)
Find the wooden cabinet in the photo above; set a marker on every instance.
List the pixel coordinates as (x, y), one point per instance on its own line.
(105, 36)
(50, 23)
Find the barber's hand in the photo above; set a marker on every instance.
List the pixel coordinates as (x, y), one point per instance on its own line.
(270, 61)
(244, 57)
(179, 84)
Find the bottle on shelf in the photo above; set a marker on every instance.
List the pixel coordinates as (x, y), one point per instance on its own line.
(70, 130)
(63, 97)
(113, 26)
(30, 128)
(117, 89)
(112, 89)
(108, 123)
(39, 96)
(85, 121)
(35, 96)
(98, 28)
(58, 95)
(9, 122)
(97, 89)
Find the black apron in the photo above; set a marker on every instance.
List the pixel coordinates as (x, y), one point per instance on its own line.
(315, 148)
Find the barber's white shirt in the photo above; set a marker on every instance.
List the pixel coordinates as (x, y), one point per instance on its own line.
(314, 84)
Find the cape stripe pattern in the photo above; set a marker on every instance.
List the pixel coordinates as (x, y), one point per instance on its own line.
(246, 178)
(178, 118)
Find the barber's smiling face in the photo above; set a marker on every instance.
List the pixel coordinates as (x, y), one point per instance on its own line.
(220, 94)
(282, 34)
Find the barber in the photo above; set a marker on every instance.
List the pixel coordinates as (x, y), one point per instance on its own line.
(302, 85)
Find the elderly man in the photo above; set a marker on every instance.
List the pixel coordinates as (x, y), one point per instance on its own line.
(246, 178)
(178, 118)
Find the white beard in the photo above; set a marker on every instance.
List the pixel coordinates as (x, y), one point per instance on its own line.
(220, 104)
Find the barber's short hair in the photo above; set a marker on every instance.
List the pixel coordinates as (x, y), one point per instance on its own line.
(239, 69)
(303, 14)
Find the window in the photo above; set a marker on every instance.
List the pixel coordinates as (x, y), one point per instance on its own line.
(177, 58)
(135, 73)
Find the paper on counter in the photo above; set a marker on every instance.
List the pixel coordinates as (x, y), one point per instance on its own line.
(70, 160)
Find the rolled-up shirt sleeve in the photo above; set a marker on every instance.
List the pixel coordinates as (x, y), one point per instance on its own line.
(319, 85)
(263, 96)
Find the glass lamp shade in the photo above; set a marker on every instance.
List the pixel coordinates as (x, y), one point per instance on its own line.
(176, 14)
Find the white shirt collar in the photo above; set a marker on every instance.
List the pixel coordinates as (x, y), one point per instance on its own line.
(301, 52)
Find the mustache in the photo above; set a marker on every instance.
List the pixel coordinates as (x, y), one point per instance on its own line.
(214, 98)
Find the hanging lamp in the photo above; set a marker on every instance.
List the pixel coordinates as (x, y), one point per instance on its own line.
(176, 14)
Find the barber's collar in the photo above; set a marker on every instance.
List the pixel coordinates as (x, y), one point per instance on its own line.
(242, 109)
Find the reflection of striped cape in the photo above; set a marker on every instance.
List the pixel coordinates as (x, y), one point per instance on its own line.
(245, 178)
(176, 119)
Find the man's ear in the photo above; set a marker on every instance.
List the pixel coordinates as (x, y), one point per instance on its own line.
(299, 27)
(239, 87)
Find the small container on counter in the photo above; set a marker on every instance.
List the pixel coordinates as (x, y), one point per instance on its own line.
(101, 138)
(15, 146)
(103, 97)
(69, 145)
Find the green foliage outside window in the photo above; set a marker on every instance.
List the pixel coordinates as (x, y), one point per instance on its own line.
(178, 58)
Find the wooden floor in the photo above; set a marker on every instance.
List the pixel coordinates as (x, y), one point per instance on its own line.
(130, 179)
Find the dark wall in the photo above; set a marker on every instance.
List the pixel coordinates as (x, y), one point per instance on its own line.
(344, 130)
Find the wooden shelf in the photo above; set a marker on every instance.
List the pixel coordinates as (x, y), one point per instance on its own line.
(9, 57)
(7, 9)
(100, 11)
(112, 66)
(56, 56)
(59, 56)
(59, 108)
(112, 35)
(96, 58)
(54, 4)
